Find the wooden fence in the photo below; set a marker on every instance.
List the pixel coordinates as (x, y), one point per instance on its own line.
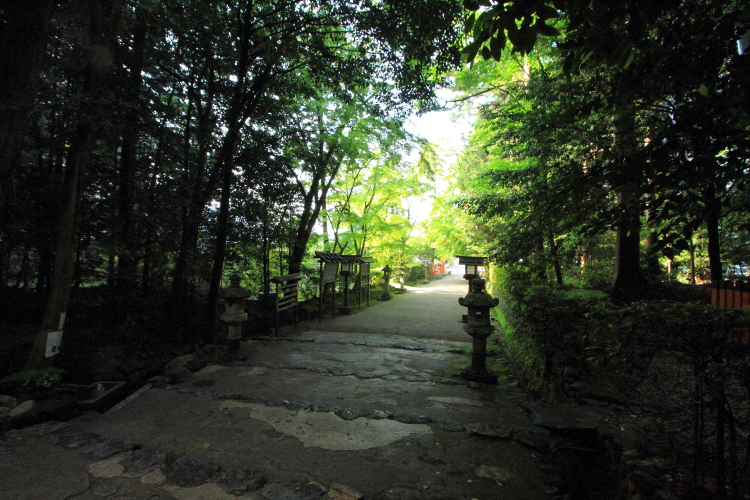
(732, 295)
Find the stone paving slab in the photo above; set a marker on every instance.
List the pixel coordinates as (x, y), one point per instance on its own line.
(336, 415)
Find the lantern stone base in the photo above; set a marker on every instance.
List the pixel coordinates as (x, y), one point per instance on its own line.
(485, 376)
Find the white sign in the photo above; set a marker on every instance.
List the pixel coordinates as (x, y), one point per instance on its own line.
(54, 339)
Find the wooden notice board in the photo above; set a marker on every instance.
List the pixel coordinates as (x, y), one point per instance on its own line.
(328, 275)
(364, 277)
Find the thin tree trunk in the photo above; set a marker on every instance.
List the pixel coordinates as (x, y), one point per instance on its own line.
(712, 228)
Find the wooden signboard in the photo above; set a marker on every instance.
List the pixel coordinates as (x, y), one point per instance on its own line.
(328, 275)
(364, 277)
(287, 293)
(329, 272)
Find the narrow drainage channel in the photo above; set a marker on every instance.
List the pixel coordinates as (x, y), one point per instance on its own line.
(587, 471)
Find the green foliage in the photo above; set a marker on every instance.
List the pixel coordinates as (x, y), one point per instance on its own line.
(37, 378)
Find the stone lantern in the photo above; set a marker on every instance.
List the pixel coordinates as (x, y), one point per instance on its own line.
(478, 326)
(386, 286)
(234, 315)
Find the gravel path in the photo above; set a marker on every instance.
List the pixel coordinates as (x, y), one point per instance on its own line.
(424, 311)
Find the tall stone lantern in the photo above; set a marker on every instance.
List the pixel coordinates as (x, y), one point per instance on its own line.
(387, 283)
(234, 315)
(478, 326)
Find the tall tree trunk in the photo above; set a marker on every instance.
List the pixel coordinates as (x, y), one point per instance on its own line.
(23, 35)
(628, 276)
(67, 226)
(628, 273)
(103, 25)
(221, 244)
(128, 164)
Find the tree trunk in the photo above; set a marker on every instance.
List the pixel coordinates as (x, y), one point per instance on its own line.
(221, 244)
(103, 29)
(628, 276)
(128, 164)
(628, 273)
(57, 302)
(23, 35)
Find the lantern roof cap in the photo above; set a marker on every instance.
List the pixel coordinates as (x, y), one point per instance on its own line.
(469, 259)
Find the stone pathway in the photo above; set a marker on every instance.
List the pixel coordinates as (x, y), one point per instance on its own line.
(328, 414)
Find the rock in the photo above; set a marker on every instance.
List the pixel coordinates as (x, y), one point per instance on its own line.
(449, 381)
(489, 431)
(103, 489)
(21, 411)
(341, 492)
(187, 472)
(108, 468)
(277, 491)
(324, 409)
(209, 353)
(109, 448)
(411, 418)
(412, 378)
(349, 413)
(364, 376)
(204, 383)
(341, 373)
(311, 491)
(399, 493)
(495, 473)
(450, 426)
(189, 362)
(563, 417)
(143, 461)
(378, 414)
(534, 437)
(390, 377)
(178, 375)
(238, 482)
(8, 402)
(72, 438)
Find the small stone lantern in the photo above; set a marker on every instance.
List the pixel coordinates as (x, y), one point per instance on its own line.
(387, 283)
(479, 303)
(234, 296)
